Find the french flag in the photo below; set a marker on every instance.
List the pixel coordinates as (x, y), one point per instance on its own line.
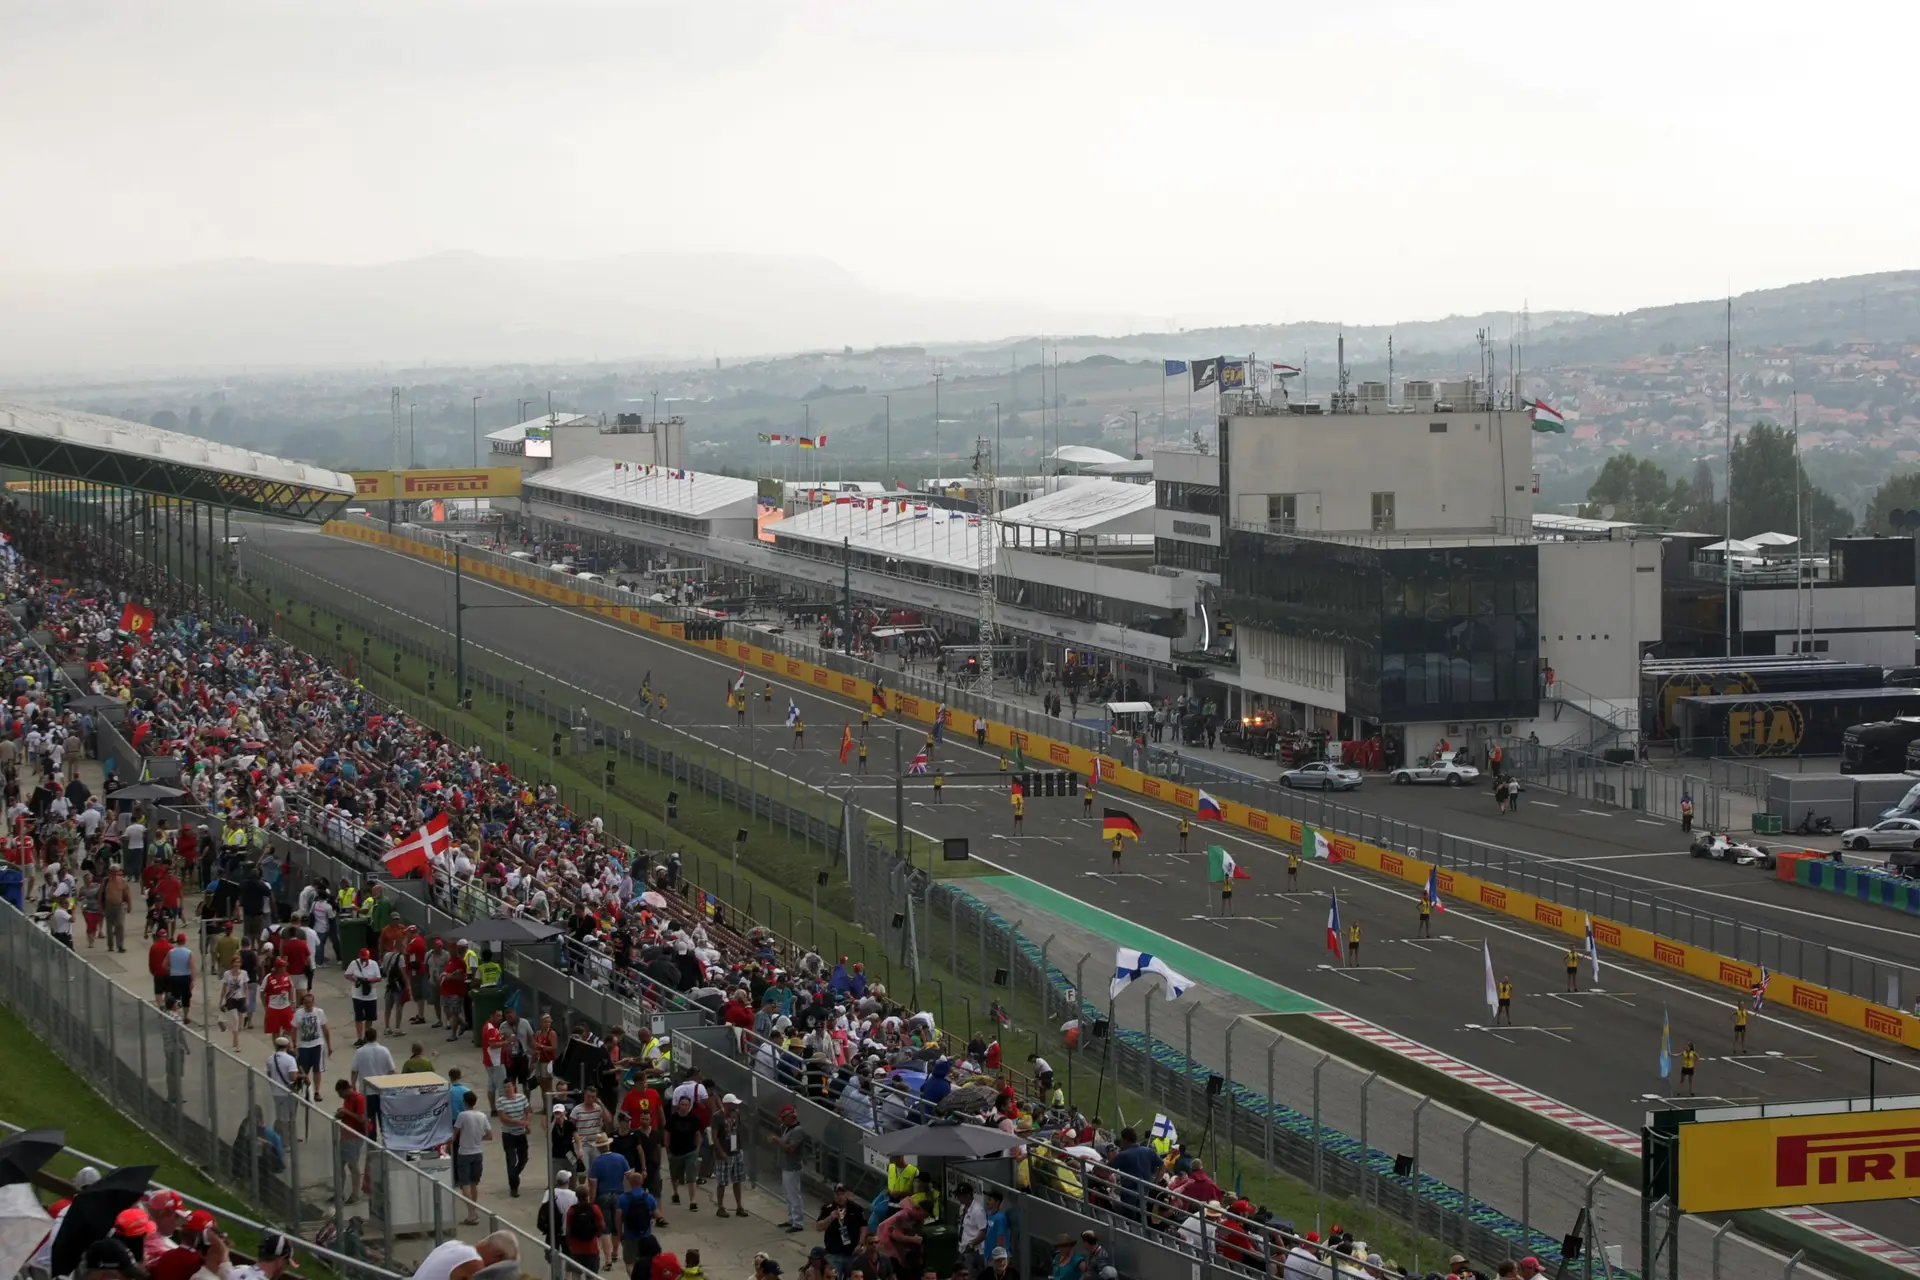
(1209, 809)
(1333, 925)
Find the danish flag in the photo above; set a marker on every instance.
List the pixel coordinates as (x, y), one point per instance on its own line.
(417, 852)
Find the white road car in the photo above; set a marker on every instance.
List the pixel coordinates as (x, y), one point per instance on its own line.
(1450, 772)
(1325, 776)
(1894, 833)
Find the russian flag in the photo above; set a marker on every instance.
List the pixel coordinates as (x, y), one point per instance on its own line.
(1209, 809)
(1433, 889)
(1333, 924)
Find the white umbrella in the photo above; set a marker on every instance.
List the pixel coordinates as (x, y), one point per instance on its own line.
(23, 1225)
(1773, 540)
(653, 898)
(1737, 546)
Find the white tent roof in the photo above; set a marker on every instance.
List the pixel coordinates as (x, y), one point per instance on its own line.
(1084, 455)
(1083, 508)
(1773, 540)
(518, 431)
(672, 490)
(1736, 546)
(138, 440)
(890, 527)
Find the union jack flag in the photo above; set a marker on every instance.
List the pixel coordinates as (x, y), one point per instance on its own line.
(919, 764)
(1759, 989)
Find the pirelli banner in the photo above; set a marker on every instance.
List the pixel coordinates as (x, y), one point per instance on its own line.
(1771, 1157)
(458, 482)
(1733, 975)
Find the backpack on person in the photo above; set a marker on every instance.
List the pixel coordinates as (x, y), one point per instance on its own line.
(581, 1228)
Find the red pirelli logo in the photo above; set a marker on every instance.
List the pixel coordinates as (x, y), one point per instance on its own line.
(1548, 914)
(849, 687)
(1058, 753)
(1605, 931)
(1840, 1159)
(793, 667)
(1812, 999)
(1185, 798)
(1258, 820)
(1882, 1023)
(1150, 787)
(1734, 974)
(1392, 864)
(1669, 953)
(1493, 896)
(1446, 881)
(821, 676)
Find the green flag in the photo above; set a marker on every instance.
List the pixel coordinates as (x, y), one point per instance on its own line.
(1019, 757)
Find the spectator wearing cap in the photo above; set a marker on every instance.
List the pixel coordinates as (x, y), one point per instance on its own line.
(840, 1230)
(1459, 1266)
(1303, 1260)
(134, 1229)
(188, 1252)
(999, 1267)
(900, 1239)
(1530, 1267)
(792, 1144)
(726, 1137)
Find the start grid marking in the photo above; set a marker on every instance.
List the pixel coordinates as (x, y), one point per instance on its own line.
(1812, 1219)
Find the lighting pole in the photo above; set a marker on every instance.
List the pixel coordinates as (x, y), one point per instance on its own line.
(413, 455)
(656, 405)
(1136, 433)
(886, 476)
(997, 455)
(476, 431)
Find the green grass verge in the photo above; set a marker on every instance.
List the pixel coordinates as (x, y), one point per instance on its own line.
(774, 882)
(39, 1091)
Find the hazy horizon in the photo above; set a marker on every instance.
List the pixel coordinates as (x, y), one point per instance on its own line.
(1232, 164)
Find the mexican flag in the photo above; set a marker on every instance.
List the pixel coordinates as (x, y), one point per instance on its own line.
(1314, 844)
(1221, 866)
(1547, 418)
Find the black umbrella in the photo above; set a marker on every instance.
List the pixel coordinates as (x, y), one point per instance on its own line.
(502, 929)
(944, 1142)
(90, 1216)
(22, 1154)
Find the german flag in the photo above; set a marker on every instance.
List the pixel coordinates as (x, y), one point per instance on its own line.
(1119, 822)
(1017, 789)
(879, 701)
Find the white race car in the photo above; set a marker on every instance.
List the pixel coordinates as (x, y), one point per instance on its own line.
(1450, 772)
(1724, 848)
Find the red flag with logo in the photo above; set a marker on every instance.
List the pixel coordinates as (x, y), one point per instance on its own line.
(136, 621)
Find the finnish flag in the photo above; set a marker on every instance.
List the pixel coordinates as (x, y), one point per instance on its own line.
(1130, 966)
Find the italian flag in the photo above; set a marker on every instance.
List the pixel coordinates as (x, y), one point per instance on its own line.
(1547, 418)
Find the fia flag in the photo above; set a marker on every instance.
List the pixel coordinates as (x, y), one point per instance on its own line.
(1493, 987)
(1433, 889)
(1129, 966)
(1593, 951)
(1221, 866)
(1333, 924)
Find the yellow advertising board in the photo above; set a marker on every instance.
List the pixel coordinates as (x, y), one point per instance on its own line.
(453, 482)
(1738, 976)
(1772, 1162)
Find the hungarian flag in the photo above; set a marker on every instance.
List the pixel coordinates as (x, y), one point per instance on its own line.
(416, 852)
(136, 621)
(1315, 844)
(1209, 809)
(1221, 866)
(1119, 822)
(1546, 418)
(1333, 924)
(846, 742)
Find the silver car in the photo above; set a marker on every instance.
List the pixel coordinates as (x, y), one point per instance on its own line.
(1325, 776)
(1894, 833)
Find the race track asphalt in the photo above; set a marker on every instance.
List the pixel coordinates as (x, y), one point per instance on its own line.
(1595, 1050)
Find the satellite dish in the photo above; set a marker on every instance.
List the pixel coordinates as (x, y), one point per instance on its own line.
(1606, 512)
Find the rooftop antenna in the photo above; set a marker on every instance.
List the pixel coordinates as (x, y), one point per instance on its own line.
(987, 487)
(1389, 371)
(1340, 402)
(1727, 547)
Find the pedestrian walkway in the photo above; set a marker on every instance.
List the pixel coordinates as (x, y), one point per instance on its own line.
(727, 1247)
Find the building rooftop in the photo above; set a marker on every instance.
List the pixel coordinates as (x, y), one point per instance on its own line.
(518, 431)
(1088, 508)
(903, 530)
(138, 440)
(671, 490)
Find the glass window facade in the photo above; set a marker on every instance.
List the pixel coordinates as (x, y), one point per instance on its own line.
(1429, 633)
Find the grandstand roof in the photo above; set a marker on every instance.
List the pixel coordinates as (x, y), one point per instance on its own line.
(906, 530)
(518, 431)
(94, 448)
(669, 490)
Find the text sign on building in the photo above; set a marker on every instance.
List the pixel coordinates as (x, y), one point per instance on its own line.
(456, 482)
(1807, 1159)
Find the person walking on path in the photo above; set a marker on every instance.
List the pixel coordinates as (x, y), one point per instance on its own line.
(729, 1156)
(471, 1131)
(312, 1039)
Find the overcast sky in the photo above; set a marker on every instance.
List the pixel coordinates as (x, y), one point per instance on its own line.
(1200, 163)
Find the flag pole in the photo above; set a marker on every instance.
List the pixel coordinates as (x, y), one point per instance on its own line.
(1106, 1055)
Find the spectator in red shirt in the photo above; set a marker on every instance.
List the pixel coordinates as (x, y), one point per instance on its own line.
(453, 997)
(735, 1012)
(298, 955)
(641, 1106)
(168, 888)
(417, 973)
(157, 966)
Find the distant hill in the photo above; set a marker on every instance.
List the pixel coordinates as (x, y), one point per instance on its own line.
(464, 308)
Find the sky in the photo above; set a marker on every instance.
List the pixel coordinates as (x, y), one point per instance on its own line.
(1207, 163)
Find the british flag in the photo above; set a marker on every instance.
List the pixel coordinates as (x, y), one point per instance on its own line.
(919, 764)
